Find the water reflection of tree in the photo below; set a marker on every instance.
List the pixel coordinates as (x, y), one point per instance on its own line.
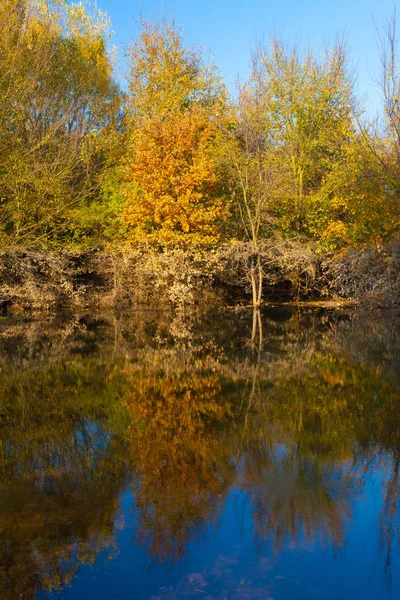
(190, 410)
(179, 426)
(385, 442)
(60, 473)
(389, 522)
(295, 500)
(177, 418)
(309, 442)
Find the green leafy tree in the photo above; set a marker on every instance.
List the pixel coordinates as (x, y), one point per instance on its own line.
(58, 101)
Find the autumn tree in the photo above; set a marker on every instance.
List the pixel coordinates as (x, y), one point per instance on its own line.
(294, 121)
(381, 147)
(177, 103)
(251, 179)
(358, 202)
(310, 104)
(57, 101)
(357, 206)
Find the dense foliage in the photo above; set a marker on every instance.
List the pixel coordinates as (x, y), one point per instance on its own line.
(175, 161)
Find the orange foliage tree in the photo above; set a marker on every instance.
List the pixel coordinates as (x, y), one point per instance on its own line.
(172, 191)
(184, 470)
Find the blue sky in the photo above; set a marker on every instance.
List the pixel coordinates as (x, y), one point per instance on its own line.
(228, 28)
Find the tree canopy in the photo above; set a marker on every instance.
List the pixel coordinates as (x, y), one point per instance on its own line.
(175, 160)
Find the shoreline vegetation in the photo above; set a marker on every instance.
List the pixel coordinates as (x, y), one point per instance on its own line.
(176, 193)
(40, 281)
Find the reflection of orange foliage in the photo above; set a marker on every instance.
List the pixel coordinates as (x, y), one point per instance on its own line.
(184, 471)
(173, 187)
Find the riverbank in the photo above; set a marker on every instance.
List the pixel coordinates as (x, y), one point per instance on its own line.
(37, 281)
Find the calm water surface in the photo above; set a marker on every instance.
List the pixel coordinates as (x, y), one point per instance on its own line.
(168, 457)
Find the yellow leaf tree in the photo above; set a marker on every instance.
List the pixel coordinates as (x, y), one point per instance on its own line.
(58, 102)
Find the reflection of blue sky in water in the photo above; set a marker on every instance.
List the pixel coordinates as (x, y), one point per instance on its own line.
(302, 499)
(226, 564)
(231, 561)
